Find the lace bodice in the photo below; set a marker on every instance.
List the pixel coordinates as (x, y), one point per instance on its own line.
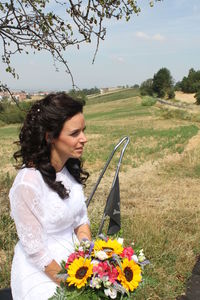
(39, 212)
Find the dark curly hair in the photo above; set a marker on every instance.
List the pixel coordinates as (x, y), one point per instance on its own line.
(48, 115)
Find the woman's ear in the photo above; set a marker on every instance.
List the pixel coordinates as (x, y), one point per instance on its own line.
(48, 138)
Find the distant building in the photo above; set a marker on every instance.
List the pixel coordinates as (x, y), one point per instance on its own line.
(110, 89)
(20, 96)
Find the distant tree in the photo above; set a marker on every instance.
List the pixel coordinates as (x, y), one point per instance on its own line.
(197, 96)
(191, 83)
(136, 86)
(163, 83)
(56, 25)
(28, 96)
(91, 91)
(146, 88)
(79, 94)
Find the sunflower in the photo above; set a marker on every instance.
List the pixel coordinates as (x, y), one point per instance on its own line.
(79, 271)
(129, 275)
(110, 247)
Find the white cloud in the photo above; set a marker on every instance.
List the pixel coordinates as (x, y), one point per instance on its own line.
(142, 35)
(118, 59)
(155, 37)
(158, 37)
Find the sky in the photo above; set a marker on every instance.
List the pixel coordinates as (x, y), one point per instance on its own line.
(167, 35)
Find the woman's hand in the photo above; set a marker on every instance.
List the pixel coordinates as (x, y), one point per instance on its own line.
(52, 270)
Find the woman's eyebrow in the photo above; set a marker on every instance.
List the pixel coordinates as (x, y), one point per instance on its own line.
(77, 129)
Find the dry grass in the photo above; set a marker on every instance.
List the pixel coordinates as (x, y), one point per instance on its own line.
(186, 98)
(163, 214)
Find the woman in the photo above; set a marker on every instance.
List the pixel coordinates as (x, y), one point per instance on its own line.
(47, 201)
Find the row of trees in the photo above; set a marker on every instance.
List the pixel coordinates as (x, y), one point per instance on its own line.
(162, 85)
(190, 83)
(82, 94)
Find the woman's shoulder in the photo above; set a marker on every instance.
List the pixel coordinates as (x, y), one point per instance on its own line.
(30, 177)
(65, 175)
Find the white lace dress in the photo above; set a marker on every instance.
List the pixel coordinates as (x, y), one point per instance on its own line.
(45, 225)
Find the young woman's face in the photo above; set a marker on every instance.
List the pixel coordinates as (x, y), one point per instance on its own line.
(71, 140)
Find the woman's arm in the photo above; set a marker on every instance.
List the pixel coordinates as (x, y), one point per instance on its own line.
(52, 270)
(83, 232)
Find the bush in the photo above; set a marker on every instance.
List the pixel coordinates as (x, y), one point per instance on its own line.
(197, 96)
(146, 87)
(171, 94)
(80, 95)
(161, 94)
(176, 114)
(10, 113)
(148, 101)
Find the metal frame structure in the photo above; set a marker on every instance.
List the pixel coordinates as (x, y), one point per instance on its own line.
(126, 140)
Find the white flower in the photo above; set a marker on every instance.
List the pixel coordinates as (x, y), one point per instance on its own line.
(141, 252)
(95, 262)
(111, 292)
(105, 278)
(101, 255)
(95, 282)
(135, 258)
(120, 240)
(76, 245)
(85, 244)
(141, 256)
(107, 283)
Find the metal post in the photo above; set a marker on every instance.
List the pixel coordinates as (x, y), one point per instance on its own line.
(126, 138)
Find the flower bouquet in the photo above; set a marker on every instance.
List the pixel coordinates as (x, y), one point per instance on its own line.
(101, 269)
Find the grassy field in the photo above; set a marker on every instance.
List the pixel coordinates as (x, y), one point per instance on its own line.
(159, 184)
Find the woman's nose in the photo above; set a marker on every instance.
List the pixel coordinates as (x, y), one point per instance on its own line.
(83, 138)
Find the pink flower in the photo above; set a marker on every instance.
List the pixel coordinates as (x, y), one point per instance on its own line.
(112, 274)
(103, 269)
(127, 252)
(73, 256)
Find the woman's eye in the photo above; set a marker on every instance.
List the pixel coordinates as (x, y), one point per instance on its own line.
(75, 133)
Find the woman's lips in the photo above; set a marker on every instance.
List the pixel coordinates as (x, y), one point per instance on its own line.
(79, 149)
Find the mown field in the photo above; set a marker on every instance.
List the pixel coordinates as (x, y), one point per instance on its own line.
(159, 184)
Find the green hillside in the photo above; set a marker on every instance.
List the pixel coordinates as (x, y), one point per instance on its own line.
(112, 96)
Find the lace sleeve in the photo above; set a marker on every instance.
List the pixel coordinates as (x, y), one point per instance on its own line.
(25, 210)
